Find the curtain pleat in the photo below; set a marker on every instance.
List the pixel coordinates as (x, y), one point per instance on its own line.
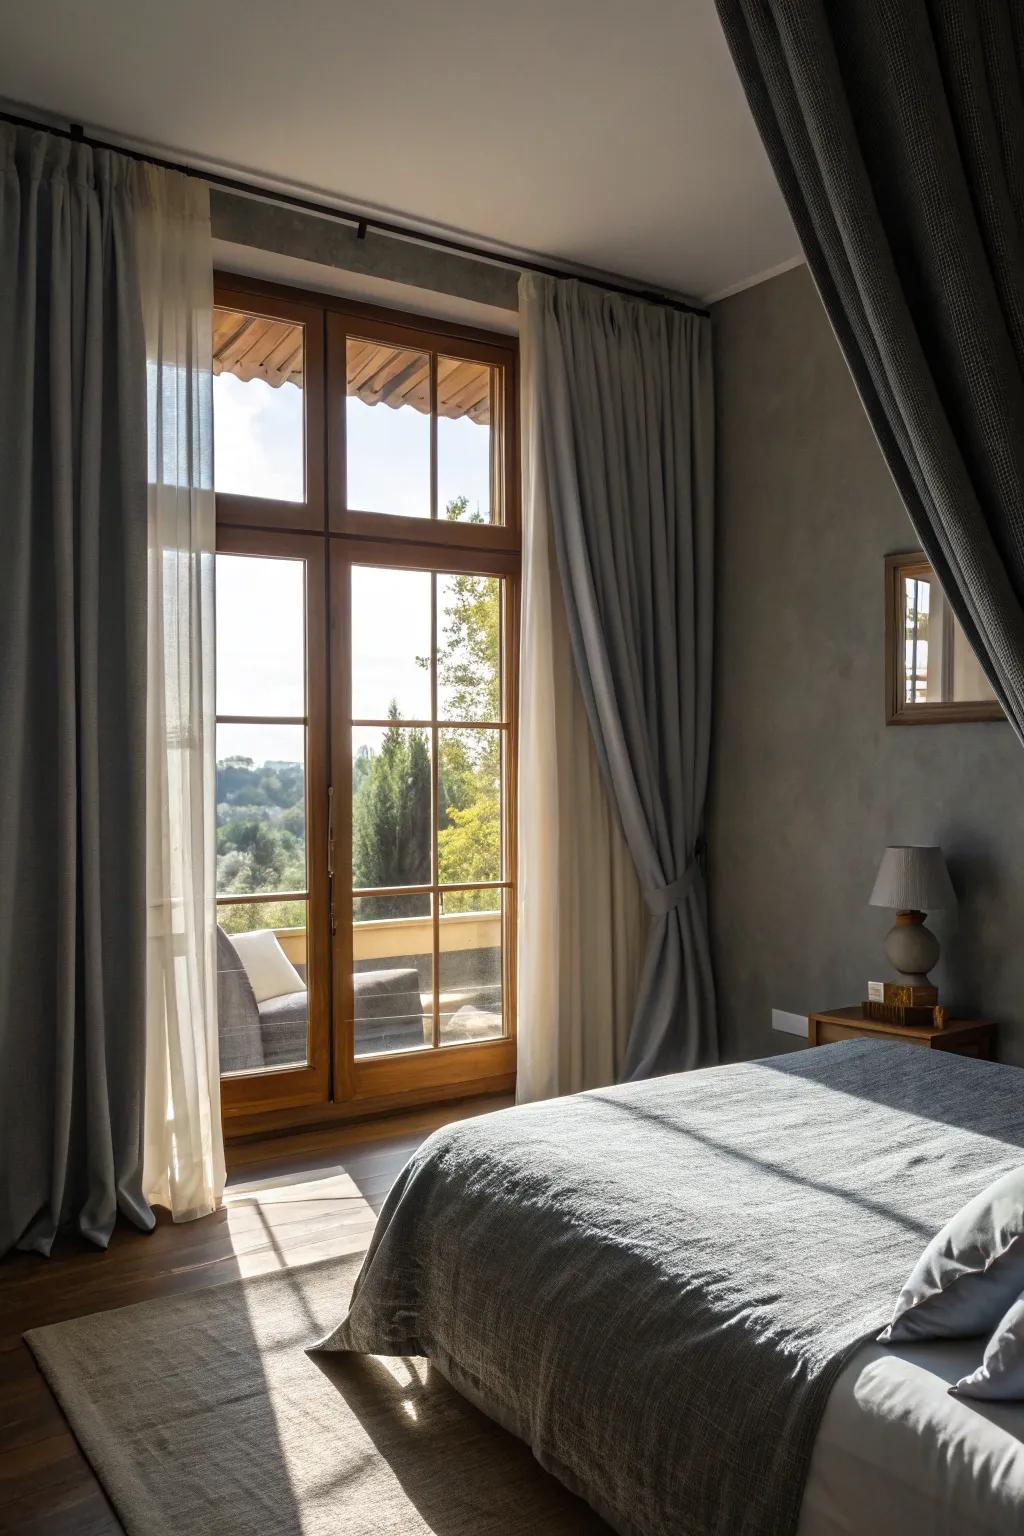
(84, 310)
(72, 693)
(184, 1149)
(618, 462)
(581, 919)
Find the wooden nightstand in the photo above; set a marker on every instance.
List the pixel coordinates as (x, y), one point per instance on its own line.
(965, 1037)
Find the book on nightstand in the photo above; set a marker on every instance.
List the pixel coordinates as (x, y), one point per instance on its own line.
(903, 994)
(912, 1015)
(899, 1002)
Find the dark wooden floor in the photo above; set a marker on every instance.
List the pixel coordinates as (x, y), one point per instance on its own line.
(289, 1201)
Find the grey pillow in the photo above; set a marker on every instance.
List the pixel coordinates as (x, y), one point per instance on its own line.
(1001, 1372)
(970, 1272)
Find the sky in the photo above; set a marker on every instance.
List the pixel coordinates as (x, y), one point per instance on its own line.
(257, 441)
(260, 609)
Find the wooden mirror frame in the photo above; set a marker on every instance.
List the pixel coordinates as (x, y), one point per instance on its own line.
(897, 710)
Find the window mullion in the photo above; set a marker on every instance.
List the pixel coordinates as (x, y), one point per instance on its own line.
(435, 808)
(433, 436)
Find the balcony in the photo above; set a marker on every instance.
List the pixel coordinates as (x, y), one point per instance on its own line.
(393, 988)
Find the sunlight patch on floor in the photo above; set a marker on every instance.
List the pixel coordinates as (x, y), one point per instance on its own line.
(325, 1184)
(275, 1223)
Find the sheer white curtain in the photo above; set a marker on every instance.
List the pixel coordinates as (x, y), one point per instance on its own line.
(184, 1150)
(582, 923)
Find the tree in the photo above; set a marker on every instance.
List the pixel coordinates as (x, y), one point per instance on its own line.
(469, 849)
(259, 860)
(468, 658)
(261, 841)
(469, 766)
(391, 822)
(261, 854)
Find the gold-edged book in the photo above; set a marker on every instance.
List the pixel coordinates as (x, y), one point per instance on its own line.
(903, 995)
(907, 1015)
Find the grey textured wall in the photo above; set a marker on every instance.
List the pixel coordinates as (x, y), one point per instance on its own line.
(808, 783)
(290, 232)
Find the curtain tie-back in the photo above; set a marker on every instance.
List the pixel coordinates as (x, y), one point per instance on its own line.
(661, 899)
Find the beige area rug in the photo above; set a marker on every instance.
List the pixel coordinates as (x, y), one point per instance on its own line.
(203, 1416)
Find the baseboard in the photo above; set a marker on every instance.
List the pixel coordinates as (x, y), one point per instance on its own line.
(240, 1129)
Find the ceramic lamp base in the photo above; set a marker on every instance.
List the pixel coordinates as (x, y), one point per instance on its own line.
(911, 948)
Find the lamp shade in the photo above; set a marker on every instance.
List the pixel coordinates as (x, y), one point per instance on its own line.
(913, 880)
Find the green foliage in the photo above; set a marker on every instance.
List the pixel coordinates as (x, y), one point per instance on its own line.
(244, 917)
(391, 817)
(391, 821)
(469, 847)
(272, 784)
(469, 652)
(457, 508)
(261, 841)
(260, 856)
(469, 762)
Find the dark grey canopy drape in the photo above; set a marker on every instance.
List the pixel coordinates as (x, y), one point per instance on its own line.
(625, 406)
(896, 130)
(73, 552)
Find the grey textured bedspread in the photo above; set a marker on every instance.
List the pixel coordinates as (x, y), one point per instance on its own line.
(656, 1285)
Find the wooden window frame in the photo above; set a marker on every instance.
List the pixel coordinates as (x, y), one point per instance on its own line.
(282, 1087)
(305, 516)
(356, 523)
(369, 1078)
(336, 1085)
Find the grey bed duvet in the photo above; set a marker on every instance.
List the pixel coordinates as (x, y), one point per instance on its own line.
(657, 1285)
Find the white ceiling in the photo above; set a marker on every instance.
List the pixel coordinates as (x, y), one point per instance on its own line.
(610, 133)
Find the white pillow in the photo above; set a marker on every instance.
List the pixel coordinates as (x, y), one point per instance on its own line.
(1000, 1376)
(270, 972)
(970, 1272)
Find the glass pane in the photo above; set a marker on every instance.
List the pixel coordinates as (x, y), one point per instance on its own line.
(390, 644)
(468, 805)
(387, 424)
(464, 392)
(939, 666)
(916, 597)
(261, 808)
(261, 633)
(262, 999)
(469, 647)
(258, 420)
(469, 966)
(390, 806)
(392, 955)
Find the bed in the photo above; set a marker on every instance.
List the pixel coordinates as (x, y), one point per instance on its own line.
(668, 1290)
(895, 1455)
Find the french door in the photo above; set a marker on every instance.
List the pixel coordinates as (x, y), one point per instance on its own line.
(423, 856)
(367, 643)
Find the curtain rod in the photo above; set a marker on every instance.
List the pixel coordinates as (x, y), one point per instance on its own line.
(362, 222)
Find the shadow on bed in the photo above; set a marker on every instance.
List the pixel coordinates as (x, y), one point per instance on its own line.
(777, 1170)
(457, 1468)
(924, 1085)
(912, 1082)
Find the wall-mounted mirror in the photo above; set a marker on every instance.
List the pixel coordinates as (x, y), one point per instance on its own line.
(931, 672)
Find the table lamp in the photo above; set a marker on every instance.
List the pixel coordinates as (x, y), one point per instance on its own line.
(912, 881)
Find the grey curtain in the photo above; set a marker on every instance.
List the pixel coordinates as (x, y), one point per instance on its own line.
(625, 422)
(896, 130)
(73, 537)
